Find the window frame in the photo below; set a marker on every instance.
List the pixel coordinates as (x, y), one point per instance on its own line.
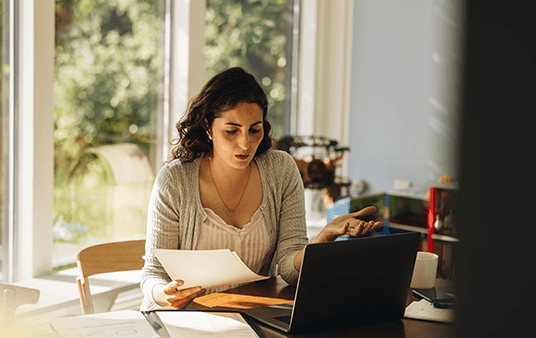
(33, 138)
(325, 59)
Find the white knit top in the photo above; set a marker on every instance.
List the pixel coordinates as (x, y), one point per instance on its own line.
(251, 243)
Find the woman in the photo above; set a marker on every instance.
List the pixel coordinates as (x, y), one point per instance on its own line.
(225, 188)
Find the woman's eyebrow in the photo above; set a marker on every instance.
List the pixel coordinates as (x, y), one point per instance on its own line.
(239, 125)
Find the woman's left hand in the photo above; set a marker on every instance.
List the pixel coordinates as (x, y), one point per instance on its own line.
(350, 224)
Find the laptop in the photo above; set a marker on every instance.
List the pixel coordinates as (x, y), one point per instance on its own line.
(348, 283)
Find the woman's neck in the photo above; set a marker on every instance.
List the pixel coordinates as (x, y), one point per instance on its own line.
(222, 171)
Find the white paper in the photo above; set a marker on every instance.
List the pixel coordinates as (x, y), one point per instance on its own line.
(423, 309)
(194, 324)
(128, 323)
(205, 268)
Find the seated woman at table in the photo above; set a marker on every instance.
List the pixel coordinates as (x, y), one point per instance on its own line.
(225, 188)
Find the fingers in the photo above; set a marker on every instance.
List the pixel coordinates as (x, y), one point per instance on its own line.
(180, 298)
(185, 297)
(362, 227)
(173, 287)
(358, 214)
(345, 228)
(363, 212)
(354, 226)
(359, 228)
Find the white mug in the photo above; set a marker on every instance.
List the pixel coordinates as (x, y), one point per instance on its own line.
(425, 271)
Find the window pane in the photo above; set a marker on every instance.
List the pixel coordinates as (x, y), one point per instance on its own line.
(107, 95)
(255, 35)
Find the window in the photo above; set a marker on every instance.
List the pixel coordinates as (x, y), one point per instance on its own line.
(56, 123)
(108, 89)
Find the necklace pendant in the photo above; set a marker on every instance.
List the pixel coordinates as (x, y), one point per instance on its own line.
(230, 212)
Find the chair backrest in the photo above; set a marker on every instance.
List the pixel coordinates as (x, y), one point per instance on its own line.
(103, 258)
(11, 297)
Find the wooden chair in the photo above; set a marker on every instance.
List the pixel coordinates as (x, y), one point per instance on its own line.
(11, 297)
(103, 258)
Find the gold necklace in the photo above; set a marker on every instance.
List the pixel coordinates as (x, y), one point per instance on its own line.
(230, 212)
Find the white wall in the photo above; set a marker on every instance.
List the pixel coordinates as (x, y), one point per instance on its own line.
(395, 132)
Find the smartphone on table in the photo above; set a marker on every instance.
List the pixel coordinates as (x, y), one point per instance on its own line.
(437, 297)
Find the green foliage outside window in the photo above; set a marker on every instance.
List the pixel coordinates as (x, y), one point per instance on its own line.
(109, 61)
(251, 34)
(107, 76)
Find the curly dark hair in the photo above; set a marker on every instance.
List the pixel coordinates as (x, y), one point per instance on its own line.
(219, 95)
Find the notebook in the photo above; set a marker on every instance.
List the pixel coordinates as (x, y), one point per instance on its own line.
(347, 284)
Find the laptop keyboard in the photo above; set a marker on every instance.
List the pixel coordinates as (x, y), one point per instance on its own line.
(284, 319)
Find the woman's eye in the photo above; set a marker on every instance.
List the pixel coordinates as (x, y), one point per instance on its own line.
(253, 131)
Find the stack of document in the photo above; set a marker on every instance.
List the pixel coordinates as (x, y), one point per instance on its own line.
(205, 268)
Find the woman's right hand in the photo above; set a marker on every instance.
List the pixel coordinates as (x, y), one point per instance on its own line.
(350, 224)
(181, 298)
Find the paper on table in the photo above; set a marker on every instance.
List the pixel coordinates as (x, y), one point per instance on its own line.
(423, 309)
(205, 324)
(205, 268)
(105, 325)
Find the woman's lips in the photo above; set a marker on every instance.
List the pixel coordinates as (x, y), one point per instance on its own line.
(242, 157)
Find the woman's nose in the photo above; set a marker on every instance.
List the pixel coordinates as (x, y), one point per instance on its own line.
(243, 141)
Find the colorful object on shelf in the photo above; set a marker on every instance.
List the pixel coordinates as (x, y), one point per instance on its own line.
(431, 219)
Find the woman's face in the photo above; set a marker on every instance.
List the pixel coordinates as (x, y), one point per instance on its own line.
(236, 135)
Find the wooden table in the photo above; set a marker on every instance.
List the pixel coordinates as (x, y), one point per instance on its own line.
(275, 287)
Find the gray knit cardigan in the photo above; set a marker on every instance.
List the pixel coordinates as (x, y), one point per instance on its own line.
(175, 214)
